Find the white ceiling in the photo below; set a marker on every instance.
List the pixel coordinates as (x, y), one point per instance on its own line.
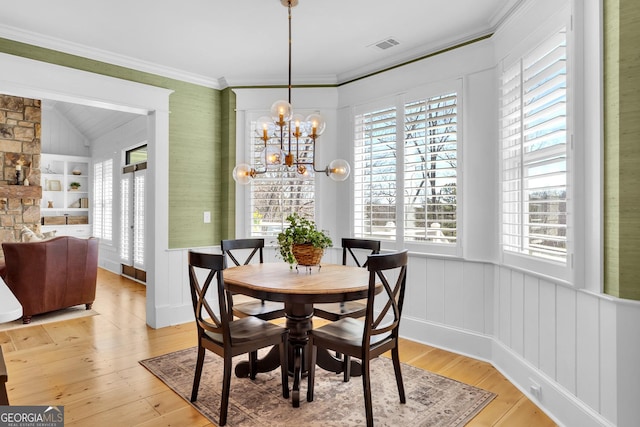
(91, 122)
(244, 42)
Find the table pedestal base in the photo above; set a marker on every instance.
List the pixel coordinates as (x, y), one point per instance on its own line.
(299, 323)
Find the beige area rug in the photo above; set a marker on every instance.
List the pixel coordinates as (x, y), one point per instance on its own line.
(74, 312)
(432, 400)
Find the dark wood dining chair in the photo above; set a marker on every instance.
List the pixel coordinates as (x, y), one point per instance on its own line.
(265, 310)
(352, 252)
(376, 334)
(340, 310)
(220, 333)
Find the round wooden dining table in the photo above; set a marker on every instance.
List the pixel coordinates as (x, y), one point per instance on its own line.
(299, 289)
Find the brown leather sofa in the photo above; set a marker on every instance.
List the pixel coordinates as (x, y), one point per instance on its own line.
(52, 274)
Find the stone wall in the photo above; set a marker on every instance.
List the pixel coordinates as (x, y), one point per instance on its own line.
(20, 121)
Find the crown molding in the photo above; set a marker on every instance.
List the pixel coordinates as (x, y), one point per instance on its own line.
(502, 14)
(60, 45)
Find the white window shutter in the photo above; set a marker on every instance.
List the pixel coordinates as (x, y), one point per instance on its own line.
(374, 174)
(126, 219)
(533, 124)
(103, 200)
(431, 169)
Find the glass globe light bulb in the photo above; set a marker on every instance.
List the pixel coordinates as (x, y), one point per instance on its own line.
(339, 170)
(305, 172)
(274, 155)
(264, 126)
(281, 111)
(316, 121)
(298, 125)
(242, 174)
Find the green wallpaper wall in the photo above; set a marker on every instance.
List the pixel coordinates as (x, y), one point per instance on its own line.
(622, 148)
(201, 147)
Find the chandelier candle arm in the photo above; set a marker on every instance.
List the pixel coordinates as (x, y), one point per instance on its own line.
(292, 128)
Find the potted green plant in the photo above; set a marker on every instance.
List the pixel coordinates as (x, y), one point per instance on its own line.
(302, 242)
(74, 185)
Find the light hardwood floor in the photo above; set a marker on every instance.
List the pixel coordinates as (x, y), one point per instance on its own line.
(90, 365)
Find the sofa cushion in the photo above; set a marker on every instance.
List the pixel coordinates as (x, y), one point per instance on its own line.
(28, 235)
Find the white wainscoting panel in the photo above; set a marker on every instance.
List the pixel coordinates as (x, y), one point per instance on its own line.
(628, 357)
(473, 297)
(503, 306)
(453, 292)
(609, 361)
(516, 330)
(532, 320)
(566, 330)
(587, 350)
(435, 280)
(416, 300)
(547, 307)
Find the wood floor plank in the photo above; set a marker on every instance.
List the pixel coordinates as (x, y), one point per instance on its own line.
(70, 331)
(507, 396)
(129, 414)
(111, 401)
(90, 365)
(183, 417)
(436, 360)
(6, 342)
(525, 414)
(26, 338)
(411, 350)
(466, 370)
(166, 402)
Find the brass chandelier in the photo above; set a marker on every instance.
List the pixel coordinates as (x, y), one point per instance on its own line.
(284, 132)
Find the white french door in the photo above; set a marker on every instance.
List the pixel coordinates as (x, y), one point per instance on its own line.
(132, 211)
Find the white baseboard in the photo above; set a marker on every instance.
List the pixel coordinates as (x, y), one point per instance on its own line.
(113, 267)
(181, 314)
(559, 404)
(447, 338)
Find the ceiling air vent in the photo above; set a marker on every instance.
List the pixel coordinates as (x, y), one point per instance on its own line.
(386, 43)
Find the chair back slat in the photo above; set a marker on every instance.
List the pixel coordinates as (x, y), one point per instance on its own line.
(381, 268)
(207, 318)
(348, 246)
(256, 245)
